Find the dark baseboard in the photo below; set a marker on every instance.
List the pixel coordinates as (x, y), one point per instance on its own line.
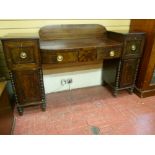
(144, 93)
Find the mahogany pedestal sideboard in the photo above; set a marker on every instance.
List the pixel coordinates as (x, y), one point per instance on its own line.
(59, 46)
(6, 111)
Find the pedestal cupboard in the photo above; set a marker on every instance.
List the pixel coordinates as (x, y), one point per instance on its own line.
(121, 74)
(23, 60)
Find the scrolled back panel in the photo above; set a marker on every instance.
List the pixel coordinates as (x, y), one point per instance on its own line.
(54, 32)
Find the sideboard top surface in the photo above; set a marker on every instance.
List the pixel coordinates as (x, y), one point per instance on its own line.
(77, 43)
(74, 36)
(20, 36)
(70, 36)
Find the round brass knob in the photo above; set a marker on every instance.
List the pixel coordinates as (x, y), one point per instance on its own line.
(23, 55)
(133, 47)
(112, 53)
(59, 58)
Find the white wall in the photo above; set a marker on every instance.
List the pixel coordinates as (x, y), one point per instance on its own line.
(52, 82)
(80, 79)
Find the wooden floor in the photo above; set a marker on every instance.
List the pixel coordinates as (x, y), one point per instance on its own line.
(89, 111)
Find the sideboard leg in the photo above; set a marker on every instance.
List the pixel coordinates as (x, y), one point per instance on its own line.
(104, 83)
(131, 90)
(115, 93)
(43, 106)
(20, 110)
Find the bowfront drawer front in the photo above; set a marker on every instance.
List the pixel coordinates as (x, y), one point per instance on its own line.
(133, 45)
(21, 53)
(109, 53)
(87, 55)
(59, 57)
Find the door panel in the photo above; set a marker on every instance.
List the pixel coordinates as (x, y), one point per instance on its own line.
(128, 72)
(27, 85)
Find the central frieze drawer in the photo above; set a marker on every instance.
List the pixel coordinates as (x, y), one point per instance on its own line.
(59, 57)
(109, 53)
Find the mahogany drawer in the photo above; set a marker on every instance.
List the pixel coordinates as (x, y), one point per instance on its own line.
(21, 53)
(59, 57)
(133, 45)
(109, 53)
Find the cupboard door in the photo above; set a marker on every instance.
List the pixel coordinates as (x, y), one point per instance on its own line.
(128, 72)
(27, 86)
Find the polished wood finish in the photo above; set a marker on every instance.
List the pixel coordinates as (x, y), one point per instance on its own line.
(128, 71)
(23, 60)
(137, 44)
(82, 44)
(122, 72)
(52, 56)
(6, 111)
(130, 39)
(109, 53)
(14, 48)
(144, 87)
(27, 85)
(78, 31)
(78, 43)
(87, 55)
(93, 44)
(62, 46)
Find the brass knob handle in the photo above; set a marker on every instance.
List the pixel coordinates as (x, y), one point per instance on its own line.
(59, 58)
(23, 55)
(133, 47)
(112, 53)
